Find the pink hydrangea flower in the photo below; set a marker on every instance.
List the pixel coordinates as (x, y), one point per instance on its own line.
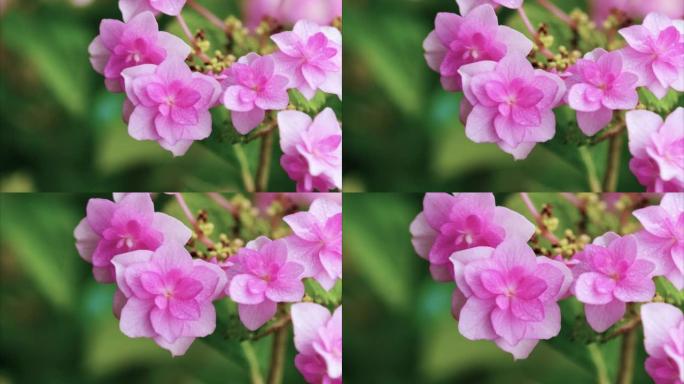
(252, 86)
(662, 239)
(168, 295)
(311, 57)
(318, 339)
(317, 241)
(130, 8)
(139, 41)
(465, 6)
(510, 296)
(612, 272)
(128, 223)
(171, 104)
(664, 342)
(597, 85)
(312, 150)
(657, 149)
(512, 103)
(261, 276)
(322, 12)
(450, 223)
(458, 40)
(636, 9)
(655, 52)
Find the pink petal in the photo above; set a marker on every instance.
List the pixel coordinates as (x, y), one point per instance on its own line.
(658, 320)
(592, 122)
(594, 288)
(247, 289)
(434, 51)
(254, 316)
(474, 323)
(641, 125)
(548, 327)
(447, 26)
(521, 350)
(506, 325)
(307, 320)
(135, 318)
(480, 125)
(602, 317)
(178, 347)
(244, 122)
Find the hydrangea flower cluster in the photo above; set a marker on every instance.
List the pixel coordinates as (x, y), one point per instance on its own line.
(513, 85)
(168, 276)
(171, 85)
(509, 284)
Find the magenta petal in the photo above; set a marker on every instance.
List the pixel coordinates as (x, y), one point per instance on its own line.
(506, 325)
(592, 122)
(594, 288)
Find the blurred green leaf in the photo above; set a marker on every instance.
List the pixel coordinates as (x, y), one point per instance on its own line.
(54, 48)
(33, 235)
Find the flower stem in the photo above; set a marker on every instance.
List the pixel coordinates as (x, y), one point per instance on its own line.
(275, 374)
(223, 202)
(594, 183)
(599, 364)
(191, 39)
(191, 218)
(207, 14)
(611, 178)
(247, 179)
(535, 36)
(264, 162)
(559, 13)
(537, 217)
(253, 362)
(627, 353)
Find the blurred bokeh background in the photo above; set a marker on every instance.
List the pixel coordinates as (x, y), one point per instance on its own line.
(398, 326)
(62, 130)
(402, 129)
(56, 322)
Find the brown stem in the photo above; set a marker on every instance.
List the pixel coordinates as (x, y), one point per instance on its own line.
(285, 321)
(535, 35)
(207, 14)
(559, 13)
(264, 162)
(612, 170)
(191, 39)
(627, 353)
(627, 327)
(610, 133)
(538, 218)
(275, 373)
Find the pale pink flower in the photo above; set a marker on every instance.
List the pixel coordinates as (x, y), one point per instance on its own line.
(318, 339)
(316, 242)
(657, 148)
(636, 9)
(460, 40)
(322, 12)
(465, 6)
(597, 85)
(510, 295)
(171, 104)
(450, 223)
(263, 275)
(512, 103)
(311, 57)
(168, 295)
(312, 149)
(662, 239)
(612, 273)
(128, 223)
(252, 86)
(655, 53)
(139, 41)
(664, 342)
(130, 8)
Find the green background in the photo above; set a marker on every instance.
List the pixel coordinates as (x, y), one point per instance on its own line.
(398, 326)
(62, 130)
(403, 133)
(56, 322)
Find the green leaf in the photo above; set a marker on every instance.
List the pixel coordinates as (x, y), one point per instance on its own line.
(665, 105)
(57, 51)
(669, 292)
(331, 298)
(38, 231)
(313, 106)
